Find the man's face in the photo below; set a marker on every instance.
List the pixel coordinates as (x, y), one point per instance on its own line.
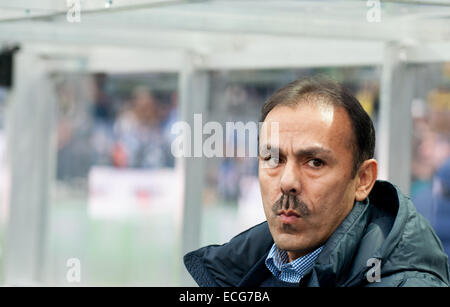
(310, 191)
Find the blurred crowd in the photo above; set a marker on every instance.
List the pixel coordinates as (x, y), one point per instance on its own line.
(122, 131)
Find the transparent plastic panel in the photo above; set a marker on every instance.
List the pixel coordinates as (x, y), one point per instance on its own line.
(430, 178)
(116, 204)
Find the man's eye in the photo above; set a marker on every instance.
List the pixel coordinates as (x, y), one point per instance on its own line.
(315, 163)
(270, 158)
(270, 161)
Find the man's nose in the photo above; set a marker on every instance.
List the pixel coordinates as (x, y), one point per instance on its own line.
(290, 181)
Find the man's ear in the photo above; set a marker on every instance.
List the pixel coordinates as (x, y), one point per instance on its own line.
(366, 177)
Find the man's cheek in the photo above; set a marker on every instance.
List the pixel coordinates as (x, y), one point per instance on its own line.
(268, 212)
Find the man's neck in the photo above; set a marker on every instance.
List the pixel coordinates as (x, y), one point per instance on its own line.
(293, 255)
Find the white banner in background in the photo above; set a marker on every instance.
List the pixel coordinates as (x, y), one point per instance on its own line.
(121, 193)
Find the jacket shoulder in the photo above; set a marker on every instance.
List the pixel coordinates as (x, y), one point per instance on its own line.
(409, 279)
(226, 264)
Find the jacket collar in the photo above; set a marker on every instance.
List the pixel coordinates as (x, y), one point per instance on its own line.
(334, 258)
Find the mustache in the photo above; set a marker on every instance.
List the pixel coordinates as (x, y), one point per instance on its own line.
(285, 201)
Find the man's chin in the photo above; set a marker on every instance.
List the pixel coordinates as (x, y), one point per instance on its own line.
(289, 242)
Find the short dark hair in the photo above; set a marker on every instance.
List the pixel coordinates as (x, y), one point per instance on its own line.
(309, 89)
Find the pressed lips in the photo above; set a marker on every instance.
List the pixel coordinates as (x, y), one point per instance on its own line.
(288, 217)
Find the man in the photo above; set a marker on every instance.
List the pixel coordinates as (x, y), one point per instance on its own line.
(329, 221)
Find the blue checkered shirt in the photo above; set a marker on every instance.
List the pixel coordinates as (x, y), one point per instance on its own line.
(278, 263)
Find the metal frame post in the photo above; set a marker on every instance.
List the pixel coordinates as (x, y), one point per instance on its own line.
(31, 146)
(395, 120)
(194, 86)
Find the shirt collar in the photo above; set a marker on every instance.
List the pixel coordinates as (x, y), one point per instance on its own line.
(277, 262)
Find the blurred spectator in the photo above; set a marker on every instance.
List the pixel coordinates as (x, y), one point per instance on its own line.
(430, 154)
(233, 169)
(431, 162)
(170, 117)
(441, 204)
(102, 117)
(433, 202)
(140, 142)
(75, 155)
(102, 107)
